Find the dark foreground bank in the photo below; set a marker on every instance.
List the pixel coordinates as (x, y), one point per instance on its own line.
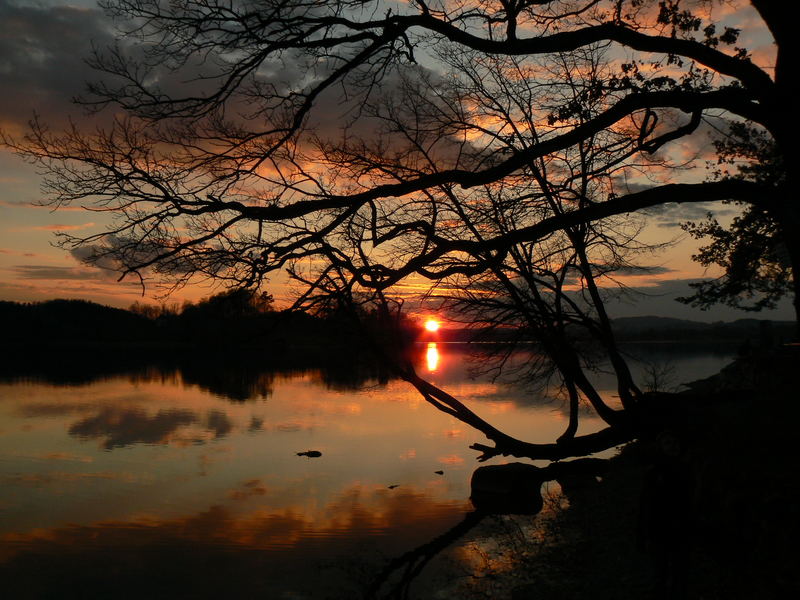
(707, 508)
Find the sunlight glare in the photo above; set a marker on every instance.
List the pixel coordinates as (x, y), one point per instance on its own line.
(432, 325)
(432, 357)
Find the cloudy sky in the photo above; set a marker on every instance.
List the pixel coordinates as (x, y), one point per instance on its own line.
(42, 50)
(43, 45)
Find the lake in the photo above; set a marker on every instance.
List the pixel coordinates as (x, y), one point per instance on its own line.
(184, 482)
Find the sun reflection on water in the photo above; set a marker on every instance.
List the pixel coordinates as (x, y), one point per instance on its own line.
(432, 357)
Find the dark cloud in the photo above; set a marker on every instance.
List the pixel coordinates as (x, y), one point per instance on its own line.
(672, 214)
(111, 255)
(43, 66)
(45, 50)
(661, 299)
(642, 270)
(42, 52)
(54, 272)
(622, 187)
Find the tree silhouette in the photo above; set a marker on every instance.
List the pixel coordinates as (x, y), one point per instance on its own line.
(751, 251)
(364, 146)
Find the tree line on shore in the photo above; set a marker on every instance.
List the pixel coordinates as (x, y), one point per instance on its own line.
(244, 317)
(239, 317)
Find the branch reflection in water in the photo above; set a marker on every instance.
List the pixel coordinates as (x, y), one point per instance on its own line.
(508, 500)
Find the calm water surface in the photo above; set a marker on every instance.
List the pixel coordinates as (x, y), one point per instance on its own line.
(179, 484)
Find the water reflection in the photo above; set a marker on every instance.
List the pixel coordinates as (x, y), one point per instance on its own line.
(432, 357)
(236, 376)
(123, 427)
(185, 472)
(246, 376)
(501, 494)
(268, 552)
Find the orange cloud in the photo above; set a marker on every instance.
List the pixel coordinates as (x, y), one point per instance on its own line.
(57, 227)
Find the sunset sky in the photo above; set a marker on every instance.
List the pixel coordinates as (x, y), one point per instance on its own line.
(42, 47)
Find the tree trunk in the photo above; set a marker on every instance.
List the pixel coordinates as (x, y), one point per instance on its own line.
(790, 228)
(574, 406)
(781, 19)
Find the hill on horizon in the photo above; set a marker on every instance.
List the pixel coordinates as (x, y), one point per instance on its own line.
(655, 327)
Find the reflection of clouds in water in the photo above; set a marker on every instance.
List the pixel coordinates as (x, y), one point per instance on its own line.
(500, 407)
(250, 488)
(124, 427)
(352, 408)
(213, 455)
(475, 390)
(450, 459)
(127, 426)
(52, 456)
(68, 457)
(409, 454)
(219, 423)
(62, 407)
(288, 427)
(214, 548)
(316, 407)
(57, 477)
(54, 409)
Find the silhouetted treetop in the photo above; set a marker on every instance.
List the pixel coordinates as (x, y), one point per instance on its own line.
(757, 267)
(495, 153)
(261, 134)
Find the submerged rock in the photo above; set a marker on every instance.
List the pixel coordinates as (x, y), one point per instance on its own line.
(514, 488)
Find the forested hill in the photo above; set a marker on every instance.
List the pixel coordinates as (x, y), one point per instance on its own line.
(652, 328)
(221, 321)
(79, 321)
(71, 320)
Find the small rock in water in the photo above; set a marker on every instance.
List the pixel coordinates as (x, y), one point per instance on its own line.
(310, 453)
(439, 472)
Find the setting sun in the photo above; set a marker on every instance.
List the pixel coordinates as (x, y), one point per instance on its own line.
(432, 325)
